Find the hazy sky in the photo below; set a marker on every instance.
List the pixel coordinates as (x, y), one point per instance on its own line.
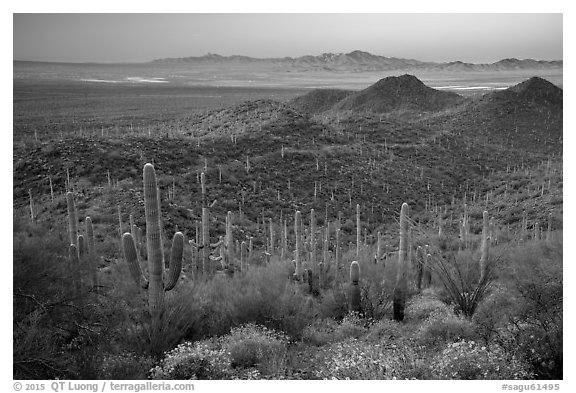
(477, 38)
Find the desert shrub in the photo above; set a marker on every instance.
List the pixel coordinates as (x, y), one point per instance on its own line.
(356, 359)
(352, 326)
(247, 352)
(200, 360)
(385, 330)
(126, 366)
(320, 332)
(425, 304)
(440, 328)
(533, 326)
(469, 360)
(256, 346)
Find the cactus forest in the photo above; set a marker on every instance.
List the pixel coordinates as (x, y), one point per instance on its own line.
(305, 234)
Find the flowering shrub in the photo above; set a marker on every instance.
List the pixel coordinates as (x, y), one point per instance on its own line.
(469, 360)
(200, 360)
(320, 332)
(422, 306)
(125, 366)
(354, 359)
(351, 326)
(247, 352)
(256, 346)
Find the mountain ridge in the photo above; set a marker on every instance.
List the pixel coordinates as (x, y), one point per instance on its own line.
(364, 61)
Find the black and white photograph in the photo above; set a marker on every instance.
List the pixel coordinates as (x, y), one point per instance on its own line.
(287, 196)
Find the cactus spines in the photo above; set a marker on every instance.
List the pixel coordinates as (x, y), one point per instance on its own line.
(72, 220)
(401, 288)
(176, 254)
(354, 294)
(484, 245)
(358, 230)
(129, 250)
(297, 254)
(153, 244)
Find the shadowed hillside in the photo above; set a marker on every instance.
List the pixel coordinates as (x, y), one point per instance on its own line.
(403, 93)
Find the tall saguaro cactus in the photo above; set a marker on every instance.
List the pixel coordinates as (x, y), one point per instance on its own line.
(229, 242)
(72, 219)
(484, 245)
(155, 285)
(91, 251)
(358, 230)
(298, 251)
(401, 289)
(313, 240)
(153, 244)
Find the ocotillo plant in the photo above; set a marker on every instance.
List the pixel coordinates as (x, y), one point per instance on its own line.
(401, 289)
(354, 291)
(156, 286)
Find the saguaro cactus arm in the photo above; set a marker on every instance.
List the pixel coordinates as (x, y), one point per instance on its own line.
(175, 267)
(354, 295)
(129, 249)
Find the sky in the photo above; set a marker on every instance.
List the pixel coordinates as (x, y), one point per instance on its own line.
(471, 37)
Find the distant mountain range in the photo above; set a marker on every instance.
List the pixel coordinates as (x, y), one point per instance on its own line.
(359, 61)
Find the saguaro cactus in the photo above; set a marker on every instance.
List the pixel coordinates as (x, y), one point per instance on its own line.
(298, 251)
(205, 242)
(313, 240)
(91, 251)
(229, 243)
(354, 291)
(72, 220)
(155, 285)
(75, 269)
(358, 230)
(484, 245)
(337, 257)
(401, 289)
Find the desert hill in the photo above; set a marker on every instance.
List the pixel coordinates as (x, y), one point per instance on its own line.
(319, 100)
(402, 93)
